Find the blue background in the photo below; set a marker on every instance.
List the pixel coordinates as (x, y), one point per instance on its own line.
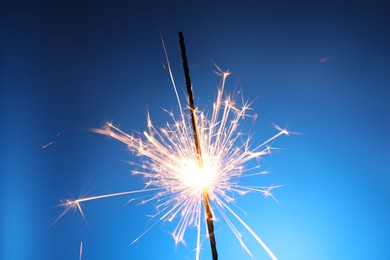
(66, 67)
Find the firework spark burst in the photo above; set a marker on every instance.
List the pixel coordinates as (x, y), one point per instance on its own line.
(176, 182)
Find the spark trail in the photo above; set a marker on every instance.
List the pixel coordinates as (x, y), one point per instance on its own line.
(81, 251)
(193, 163)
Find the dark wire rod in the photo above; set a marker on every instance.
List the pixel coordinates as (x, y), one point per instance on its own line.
(205, 194)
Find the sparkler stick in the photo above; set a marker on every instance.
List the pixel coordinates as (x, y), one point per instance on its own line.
(205, 193)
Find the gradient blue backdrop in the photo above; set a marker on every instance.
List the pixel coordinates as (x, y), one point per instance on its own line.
(66, 67)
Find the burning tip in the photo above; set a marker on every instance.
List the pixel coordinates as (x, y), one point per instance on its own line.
(285, 132)
(70, 203)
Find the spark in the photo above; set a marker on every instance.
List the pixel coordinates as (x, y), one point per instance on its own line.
(81, 251)
(48, 144)
(184, 185)
(325, 59)
(52, 142)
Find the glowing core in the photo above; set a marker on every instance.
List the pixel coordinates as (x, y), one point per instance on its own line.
(197, 178)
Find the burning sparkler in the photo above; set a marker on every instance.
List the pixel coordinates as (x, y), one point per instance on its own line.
(193, 162)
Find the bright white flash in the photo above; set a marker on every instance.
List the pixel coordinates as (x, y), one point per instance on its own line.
(175, 181)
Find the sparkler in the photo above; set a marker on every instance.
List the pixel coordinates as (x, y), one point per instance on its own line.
(194, 161)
